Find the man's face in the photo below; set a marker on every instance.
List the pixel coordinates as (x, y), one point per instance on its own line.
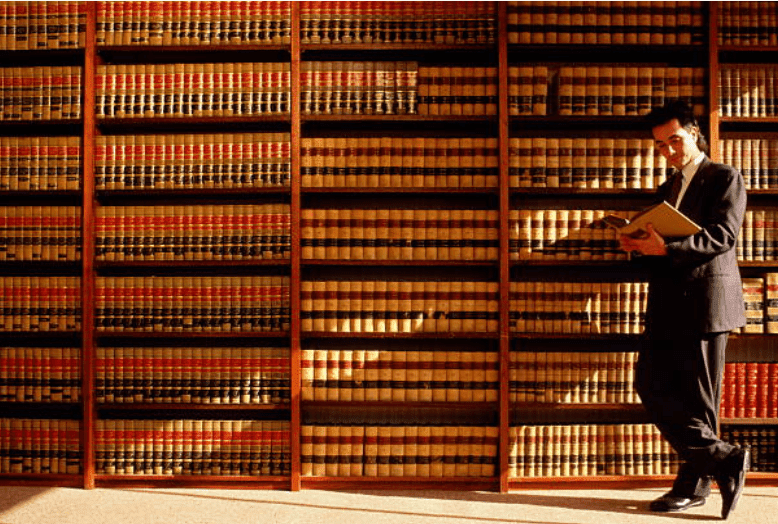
(676, 144)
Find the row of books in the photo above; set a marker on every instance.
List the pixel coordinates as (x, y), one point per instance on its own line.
(413, 22)
(747, 24)
(192, 89)
(399, 162)
(40, 446)
(398, 451)
(194, 232)
(573, 377)
(371, 88)
(187, 161)
(528, 89)
(445, 90)
(750, 390)
(585, 162)
(40, 93)
(407, 375)
(38, 303)
(606, 23)
(589, 450)
(563, 234)
(761, 440)
(756, 158)
(42, 25)
(40, 374)
(193, 23)
(192, 303)
(192, 447)
(617, 90)
(578, 307)
(757, 239)
(40, 163)
(192, 375)
(380, 306)
(399, 234)
(40, 233)
(747, 91)
(760, 295)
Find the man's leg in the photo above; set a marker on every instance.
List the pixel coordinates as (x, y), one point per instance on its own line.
(679, 382)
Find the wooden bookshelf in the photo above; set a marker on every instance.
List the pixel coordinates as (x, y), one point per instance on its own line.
(503, 54)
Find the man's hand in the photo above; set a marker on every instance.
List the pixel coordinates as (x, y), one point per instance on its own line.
(651, 243)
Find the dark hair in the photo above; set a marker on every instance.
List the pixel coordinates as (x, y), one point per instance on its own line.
(677, 109)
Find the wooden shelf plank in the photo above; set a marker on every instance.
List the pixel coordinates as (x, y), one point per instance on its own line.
(581, 191)
(403, 190)
(195, 192)
(577, 407)
(203, 481)
(428, 47)
(750, 421)
(131, 122)
(761, 49)
(41, 479)
(571, 262)
(617, 481)
(420, 483)
(575, 336)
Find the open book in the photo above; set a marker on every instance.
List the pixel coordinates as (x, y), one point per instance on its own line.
(667, 221)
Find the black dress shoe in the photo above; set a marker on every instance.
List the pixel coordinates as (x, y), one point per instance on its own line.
(731, 477)
(669, 502)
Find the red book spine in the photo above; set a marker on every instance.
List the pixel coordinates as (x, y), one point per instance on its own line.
(762, 389)
(740, 390)
(752, 388)
(772, 412)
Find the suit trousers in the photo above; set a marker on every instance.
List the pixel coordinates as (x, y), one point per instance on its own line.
(678, 379)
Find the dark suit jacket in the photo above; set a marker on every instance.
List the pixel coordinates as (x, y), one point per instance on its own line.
(697, 287)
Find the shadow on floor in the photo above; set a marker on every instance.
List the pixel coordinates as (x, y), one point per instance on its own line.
(19, 496)
(609, 505)
(634, 506)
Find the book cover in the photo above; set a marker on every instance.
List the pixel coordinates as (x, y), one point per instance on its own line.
(667, 221)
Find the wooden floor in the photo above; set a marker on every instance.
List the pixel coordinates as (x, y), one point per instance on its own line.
(43, 505)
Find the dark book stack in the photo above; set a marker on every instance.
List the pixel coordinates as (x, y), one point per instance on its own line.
(196, 375)
(192, 304)
(580, 450)
(192, 447)
(193, 23)
(578, 307)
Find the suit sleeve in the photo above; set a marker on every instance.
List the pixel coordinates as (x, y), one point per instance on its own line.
(725, 205)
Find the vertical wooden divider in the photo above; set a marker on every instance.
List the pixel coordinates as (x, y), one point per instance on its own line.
(87, 251)
(713, 82)
(504, 271)
(295, 353)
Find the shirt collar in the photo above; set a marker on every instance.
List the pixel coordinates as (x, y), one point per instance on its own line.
(690, 169)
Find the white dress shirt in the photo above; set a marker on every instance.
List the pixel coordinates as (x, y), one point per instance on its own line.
(688, 171)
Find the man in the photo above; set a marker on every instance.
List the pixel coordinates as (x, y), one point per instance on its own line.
(695, 298)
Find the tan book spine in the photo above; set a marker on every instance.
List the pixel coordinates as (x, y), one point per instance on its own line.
(397, 377)
(384, 451)
(392, 307)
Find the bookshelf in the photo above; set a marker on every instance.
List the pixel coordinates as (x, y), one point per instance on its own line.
(737, 120)
(338, 246)
(42, 212)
